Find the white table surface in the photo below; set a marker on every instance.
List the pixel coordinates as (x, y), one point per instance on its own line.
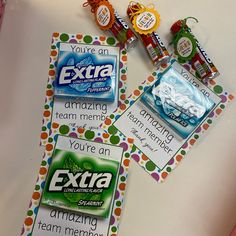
(197, 199)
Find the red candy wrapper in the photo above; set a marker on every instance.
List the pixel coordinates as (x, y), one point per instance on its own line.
(2, 9)
(189, 50)
(108, 19)
(145, 21)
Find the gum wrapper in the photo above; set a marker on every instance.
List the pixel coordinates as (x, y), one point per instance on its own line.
(178, 102)
(80, 183)
(87, 76)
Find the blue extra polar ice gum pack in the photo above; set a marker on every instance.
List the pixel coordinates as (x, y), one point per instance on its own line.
(178, 102)
(88, 76)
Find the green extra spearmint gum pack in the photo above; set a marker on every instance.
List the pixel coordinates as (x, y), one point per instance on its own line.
(80, 182)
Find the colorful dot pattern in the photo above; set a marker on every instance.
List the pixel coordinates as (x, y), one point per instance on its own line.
(138, 156)
(102, 137)
(47, 127)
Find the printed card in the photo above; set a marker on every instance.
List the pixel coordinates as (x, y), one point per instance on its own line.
(87, 81)
(81, 185)
(166, 115)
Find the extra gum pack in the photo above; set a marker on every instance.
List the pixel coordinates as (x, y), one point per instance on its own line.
(87, 75)
(80, 183)
(179, 103)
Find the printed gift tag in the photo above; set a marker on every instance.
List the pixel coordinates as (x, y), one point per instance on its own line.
(146, 19)
(104, 15)
(166, 115)
(87, 81)
(80, 187)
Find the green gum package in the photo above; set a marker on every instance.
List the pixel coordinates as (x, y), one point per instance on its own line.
(80, 182)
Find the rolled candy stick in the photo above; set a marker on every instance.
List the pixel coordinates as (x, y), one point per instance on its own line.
(107, 18)
(188, 49)
(145, 21)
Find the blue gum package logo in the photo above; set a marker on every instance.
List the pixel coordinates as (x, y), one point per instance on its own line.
(86, 76)
(178, 102)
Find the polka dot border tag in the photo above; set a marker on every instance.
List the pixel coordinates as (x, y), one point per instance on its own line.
(113, 138)
(143, 160)
(47, 126)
